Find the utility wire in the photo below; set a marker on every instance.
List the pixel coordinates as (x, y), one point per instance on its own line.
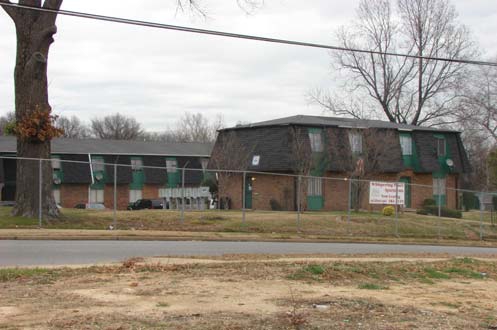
(114, 19)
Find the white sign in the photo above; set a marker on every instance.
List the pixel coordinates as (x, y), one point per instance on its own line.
(385, 192)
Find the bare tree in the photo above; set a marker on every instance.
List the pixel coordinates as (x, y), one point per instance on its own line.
(189, 128)
(412, 91)
(73, 127)
(116, 127)
(35, 30)
(478, 102)
(375, 156)
(7, 123)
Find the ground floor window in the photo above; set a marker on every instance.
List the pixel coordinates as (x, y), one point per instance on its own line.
(134, 195)
(439, 190)
(96, 196)
(56, 195)
(314, 187)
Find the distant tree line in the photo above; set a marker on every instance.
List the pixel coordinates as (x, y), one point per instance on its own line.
(191, 127)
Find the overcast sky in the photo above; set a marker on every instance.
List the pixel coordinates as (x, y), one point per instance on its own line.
(98, 68)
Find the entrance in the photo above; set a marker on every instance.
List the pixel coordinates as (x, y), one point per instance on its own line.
(407, 194)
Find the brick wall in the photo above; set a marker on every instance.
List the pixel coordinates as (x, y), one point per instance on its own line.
(122, 196)
(150, 191)
(335, 192)
(279, 188)
(73, 194)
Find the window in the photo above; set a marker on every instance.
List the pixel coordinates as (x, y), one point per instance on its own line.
(134, 195)
(171, 165)
(355, 140)
(96, 196)
(56, 163)
(136, 164)
(314, 187)
(204, 162)
(438, 186)
(316, 141)
(56, 195)
(97, 164)
(406, 144)
(441, 150)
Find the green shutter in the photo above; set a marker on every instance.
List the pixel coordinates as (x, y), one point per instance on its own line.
(138, 177)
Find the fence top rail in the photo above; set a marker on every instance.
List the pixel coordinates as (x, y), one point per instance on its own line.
(245, 172)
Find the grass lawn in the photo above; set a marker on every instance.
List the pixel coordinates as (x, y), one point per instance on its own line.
(318, 224)
(255, 292)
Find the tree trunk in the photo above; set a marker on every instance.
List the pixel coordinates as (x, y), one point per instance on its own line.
(35, 30)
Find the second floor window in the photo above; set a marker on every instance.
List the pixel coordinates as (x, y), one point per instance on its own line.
(136, 164)
(316, 141)
(406, 145)
(355, 139)
(97, 164)
(441, 149)
(171, 165)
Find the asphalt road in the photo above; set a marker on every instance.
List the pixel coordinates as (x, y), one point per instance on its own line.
(33, 252)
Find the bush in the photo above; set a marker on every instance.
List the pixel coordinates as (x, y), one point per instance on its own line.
(428, 202)
(469, 201)
(422, 212)
(388, 211)
(275, 205)
(444, 211)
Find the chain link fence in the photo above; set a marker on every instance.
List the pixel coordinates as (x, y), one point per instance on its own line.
(97, 195)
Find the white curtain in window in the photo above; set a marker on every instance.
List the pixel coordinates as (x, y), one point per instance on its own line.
(315, 187)
(316, 142)
(406, 145)
(134, 195)
(355, 140)
(171, 166)
(96, 196)
(439, 186)
(136, 164)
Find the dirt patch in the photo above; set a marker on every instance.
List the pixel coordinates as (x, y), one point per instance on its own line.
(278, 293)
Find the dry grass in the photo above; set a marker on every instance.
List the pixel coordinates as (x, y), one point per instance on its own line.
(248, 293)
(319, 224)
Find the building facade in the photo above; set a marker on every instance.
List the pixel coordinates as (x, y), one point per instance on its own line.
(430, 161)
(83, 170)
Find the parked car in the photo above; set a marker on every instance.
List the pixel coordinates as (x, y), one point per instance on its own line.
(142, 204)
(90, 206)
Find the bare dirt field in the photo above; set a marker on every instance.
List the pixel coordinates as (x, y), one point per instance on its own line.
(256, 292)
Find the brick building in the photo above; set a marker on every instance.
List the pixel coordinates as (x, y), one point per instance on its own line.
(336, 148)
(76, 182)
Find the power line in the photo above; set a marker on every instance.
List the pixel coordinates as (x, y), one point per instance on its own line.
(127, 21)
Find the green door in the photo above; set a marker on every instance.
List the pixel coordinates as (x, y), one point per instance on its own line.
(248, 192)
(315, 199)
(407, 196)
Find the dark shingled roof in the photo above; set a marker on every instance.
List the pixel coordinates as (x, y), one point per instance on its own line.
(76, 172)
(317, 121)
(274, 142)
(124, 173)
(117, 147)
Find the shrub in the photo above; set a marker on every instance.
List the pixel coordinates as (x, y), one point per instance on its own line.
(469, 201)
(444, 211)
(388, 211)
(275, 205)
(428, 202)
(422, 212)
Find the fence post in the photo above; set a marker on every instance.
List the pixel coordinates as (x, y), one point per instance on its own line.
(397, 209)
(482, 205)
(299, 183)
(40, 192)
(115, 196)
(349, 204)
(183, 195)
(439, 197)
(243, 196)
